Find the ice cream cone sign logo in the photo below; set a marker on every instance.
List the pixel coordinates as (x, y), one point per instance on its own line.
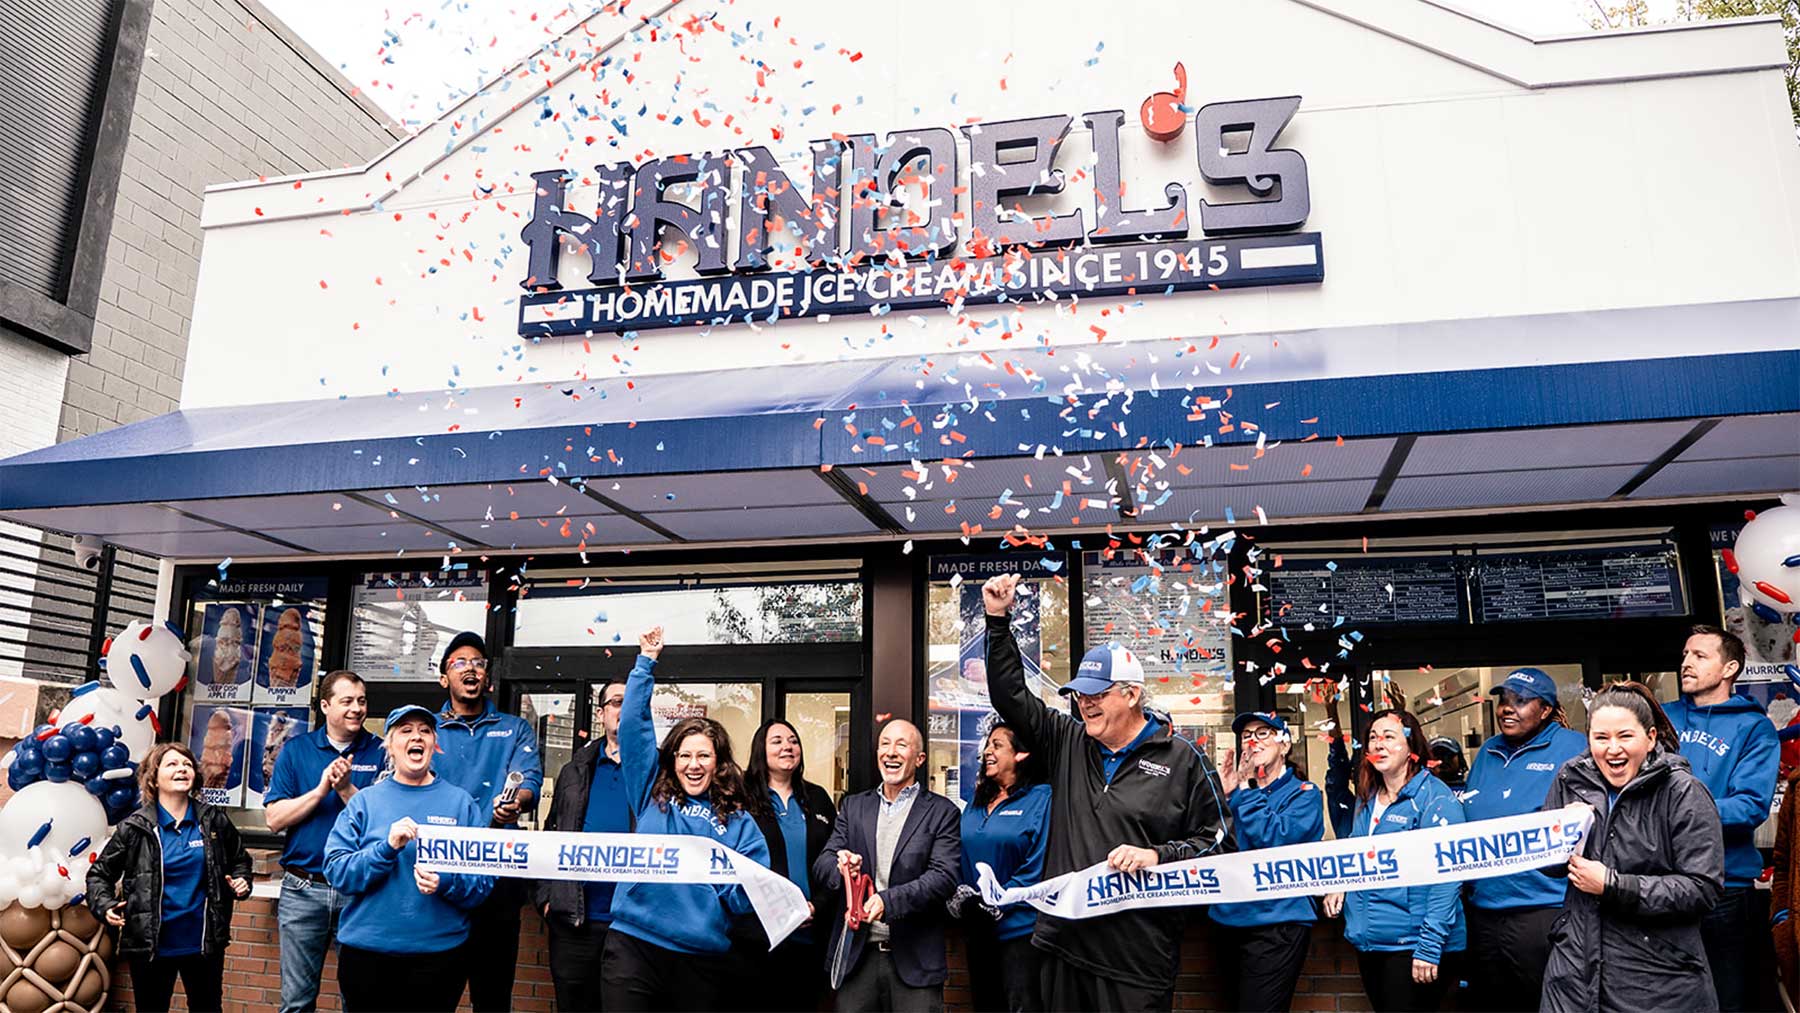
(1161, 112)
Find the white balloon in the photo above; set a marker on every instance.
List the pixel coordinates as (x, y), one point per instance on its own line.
(72, 813)
(31, 895)
(1762, 551)
(146, 661)
(9, 892)
(110, 708)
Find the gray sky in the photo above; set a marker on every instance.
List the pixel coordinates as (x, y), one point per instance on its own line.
(414, 58)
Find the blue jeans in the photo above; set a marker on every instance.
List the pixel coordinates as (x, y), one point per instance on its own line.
(307, 915)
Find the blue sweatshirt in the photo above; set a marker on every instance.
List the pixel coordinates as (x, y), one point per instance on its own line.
(1011, 840)
(1511, 782)
(479, 752)
(383, 908)
(685, 917)
(1428, 920)
(1733, 749)
(1287, 810)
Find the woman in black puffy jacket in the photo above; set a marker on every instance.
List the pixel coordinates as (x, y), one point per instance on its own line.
(1649, 869)
(182, 865)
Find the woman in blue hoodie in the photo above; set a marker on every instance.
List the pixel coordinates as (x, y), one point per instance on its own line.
(1510, 916)
(1404, 935)
(1007, 827)
(1262, 944)
(401, 931)
(669, 947)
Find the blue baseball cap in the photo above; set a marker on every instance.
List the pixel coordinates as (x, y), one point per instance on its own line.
(407, 710)
(1103, 668)
(1270, 718)
(1529, 684)
(1446, 743)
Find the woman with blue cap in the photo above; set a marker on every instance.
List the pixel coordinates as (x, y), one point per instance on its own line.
(402, 929)
(1510, 916)
(1403, 935)
(1262, 944)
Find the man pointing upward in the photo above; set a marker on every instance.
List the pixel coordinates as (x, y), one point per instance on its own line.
(1124, 790)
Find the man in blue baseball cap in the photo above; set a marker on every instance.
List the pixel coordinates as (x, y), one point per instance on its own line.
(1126, 791)
(1510, 916)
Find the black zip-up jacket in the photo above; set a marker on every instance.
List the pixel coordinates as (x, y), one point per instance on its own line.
(568, 809)
(1165, 795)
(1636, 947)
(134, 855)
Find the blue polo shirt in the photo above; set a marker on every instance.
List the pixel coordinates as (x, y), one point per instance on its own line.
(608, 812)
(1111, 759)
(479, 752)
(297, 770)
(184, 894)
(790, 816)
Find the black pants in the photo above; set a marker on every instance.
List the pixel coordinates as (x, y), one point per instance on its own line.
(373, 982)
(788, 978)
(1259, 966)
(1387, 978)
(575, 954)
(1740, 950)
(1511, 947)
(202, 978)
(1003, 974)
(493, 949)
(1069, 989)
(875, 986)
(640, 977)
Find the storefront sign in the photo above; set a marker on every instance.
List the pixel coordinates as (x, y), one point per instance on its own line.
(882, 230)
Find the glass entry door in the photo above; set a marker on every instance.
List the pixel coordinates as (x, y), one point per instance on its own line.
(822, 717)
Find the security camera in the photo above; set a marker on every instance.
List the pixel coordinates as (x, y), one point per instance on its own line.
(87, 552)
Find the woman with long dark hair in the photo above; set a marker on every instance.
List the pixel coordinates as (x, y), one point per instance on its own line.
(1007, 827)
(1648, 870)
(795, 816)
(182, 864)
(670, 947)
(1403, 935)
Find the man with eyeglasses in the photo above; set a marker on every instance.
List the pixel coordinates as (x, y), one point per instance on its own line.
(1126, 791)
(590, 798)
(480, 748)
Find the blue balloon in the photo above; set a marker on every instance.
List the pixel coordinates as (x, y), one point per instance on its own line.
(57, 771)
(114, 755)
(42, 732)
(83, 738)
(28, 759)
(58, 748)
(86, 765)
(121, 798)
(15, 780)
(98, 786)
(106, 737)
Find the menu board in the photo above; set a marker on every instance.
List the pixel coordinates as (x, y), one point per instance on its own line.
(1612, 582)
(1392, 589)
(401, 622)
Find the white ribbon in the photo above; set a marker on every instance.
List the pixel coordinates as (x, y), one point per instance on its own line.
(1451, 853)
(619, 858)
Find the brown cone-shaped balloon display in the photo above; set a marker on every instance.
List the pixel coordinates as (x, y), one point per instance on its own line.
(53, 961)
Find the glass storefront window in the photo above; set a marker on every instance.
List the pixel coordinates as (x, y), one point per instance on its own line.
(557, 615)
(823, 723)
(258, 652)
(552, 717)
(959, 710)
(736, 705)
(401, 622)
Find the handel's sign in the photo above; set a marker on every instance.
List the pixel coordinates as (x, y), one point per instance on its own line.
(904, 225)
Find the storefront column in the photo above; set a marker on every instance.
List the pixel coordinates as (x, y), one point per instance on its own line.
(893, 636)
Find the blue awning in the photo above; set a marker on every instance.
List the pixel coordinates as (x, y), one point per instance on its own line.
(855, 448)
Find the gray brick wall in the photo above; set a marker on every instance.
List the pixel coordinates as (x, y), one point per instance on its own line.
(227, 93)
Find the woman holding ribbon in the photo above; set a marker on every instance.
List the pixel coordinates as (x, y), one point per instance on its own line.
(1007, 828)
(1403, 935)
(1262, 944)
(402, 929)
(670, 946)
(1648, 870)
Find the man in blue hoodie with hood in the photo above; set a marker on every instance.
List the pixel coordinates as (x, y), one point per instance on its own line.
(1731, 745)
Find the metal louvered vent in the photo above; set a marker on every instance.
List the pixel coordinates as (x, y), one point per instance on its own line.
(55, 57)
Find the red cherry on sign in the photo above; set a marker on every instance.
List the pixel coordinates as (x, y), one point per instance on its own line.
(1161, 114)
(1371, 853)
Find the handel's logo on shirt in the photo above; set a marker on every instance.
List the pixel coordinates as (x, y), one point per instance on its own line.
(702, 812)
(1541, 768)
(1153, 769)
(442, 821)
(500, 733)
